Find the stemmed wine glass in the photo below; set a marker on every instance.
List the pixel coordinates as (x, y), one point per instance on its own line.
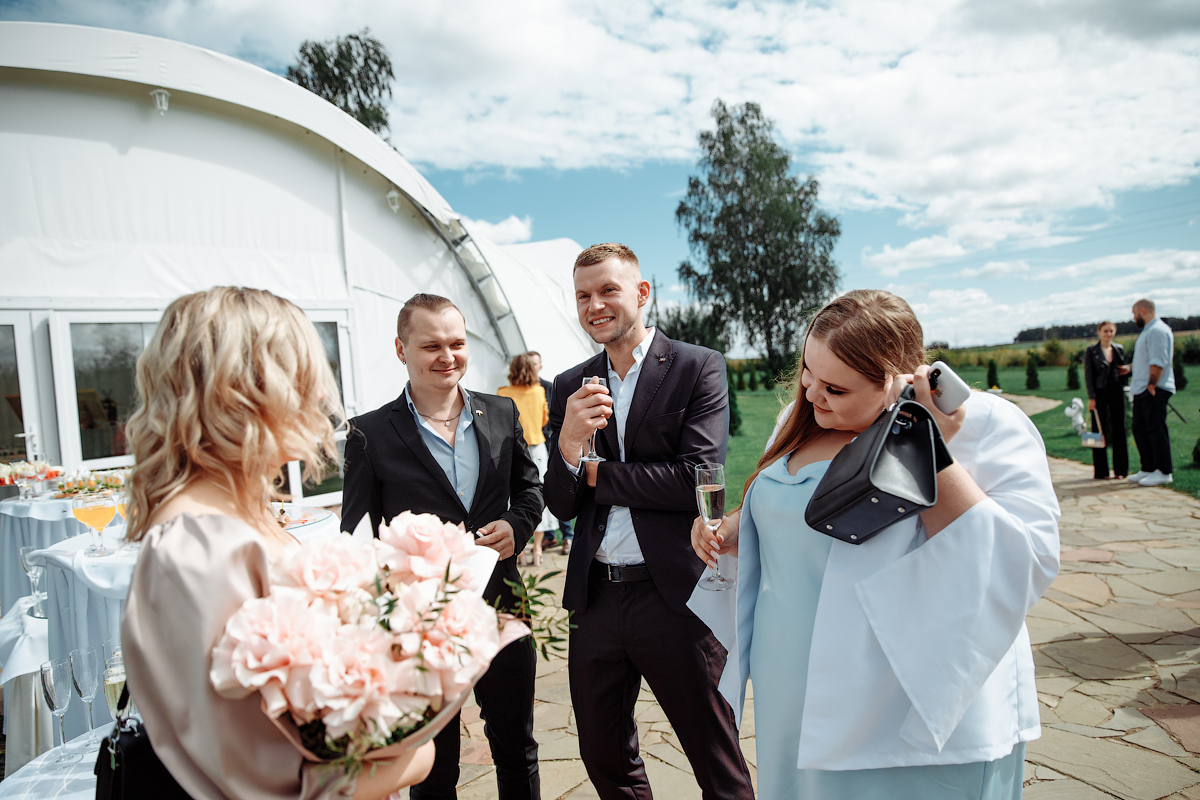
(85, 675)
(95, 511)
(56, 688)
(592, 454)
(710, 497)
(35, 581)
(42, 466)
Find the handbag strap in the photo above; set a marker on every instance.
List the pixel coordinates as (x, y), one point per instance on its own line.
(1096, 417)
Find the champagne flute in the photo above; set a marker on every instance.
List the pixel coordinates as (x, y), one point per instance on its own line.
(592, 454)
(42, 466)
(35, 575)
(56, 689)
(95, 511)
(85, 675)
(710, 497)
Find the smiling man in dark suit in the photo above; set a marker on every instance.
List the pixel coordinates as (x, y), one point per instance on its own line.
(438, 449)
(632, 568)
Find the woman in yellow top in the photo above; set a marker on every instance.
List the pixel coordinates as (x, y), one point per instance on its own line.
(534, 410)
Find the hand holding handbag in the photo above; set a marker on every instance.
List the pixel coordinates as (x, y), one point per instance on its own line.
(1094, 440)
(127, 767)
(886, 474)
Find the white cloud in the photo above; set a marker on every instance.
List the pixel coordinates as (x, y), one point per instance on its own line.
(993, 269)
(984, 121)
(506, 231)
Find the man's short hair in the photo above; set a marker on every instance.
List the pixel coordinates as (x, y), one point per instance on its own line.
(1145, 304)
(427, 302)
(533, 353)
(602, 252)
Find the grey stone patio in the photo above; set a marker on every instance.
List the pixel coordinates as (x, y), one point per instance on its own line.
(1117, 646)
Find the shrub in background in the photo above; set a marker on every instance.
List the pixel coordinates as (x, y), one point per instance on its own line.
(993, 380)
(741, 377)
(1073, 376)
(1191, 350)
(752, 384)
(1177, 368)
(1031, 374)
(735, 416)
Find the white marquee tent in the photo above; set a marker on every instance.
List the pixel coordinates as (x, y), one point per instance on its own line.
(134, 169)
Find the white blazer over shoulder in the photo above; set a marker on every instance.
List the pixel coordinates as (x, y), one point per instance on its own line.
(920, 653)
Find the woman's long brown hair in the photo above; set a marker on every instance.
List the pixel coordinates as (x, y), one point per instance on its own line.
(875, 333)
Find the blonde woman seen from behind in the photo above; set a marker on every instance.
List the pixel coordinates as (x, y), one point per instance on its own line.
(899, 668)
(526, 391)
(233, 385)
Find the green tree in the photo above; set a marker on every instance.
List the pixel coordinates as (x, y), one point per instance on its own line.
(752, 384)
(735, 415)
(1073, 376)
(741, 371)
(694, 325)
(761, 249)
(1177, 369)
(993, 378)
(1031, 373)
(352, 72)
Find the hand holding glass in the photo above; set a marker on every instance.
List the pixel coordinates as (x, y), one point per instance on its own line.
(710, 497)
(56, 689)
(592, 454)
(95, 511)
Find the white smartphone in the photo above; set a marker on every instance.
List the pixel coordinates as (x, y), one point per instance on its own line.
(949, 390)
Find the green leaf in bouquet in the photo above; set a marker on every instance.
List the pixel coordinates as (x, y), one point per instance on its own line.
(548, 624)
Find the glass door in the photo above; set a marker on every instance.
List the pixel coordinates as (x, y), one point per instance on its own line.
(18, 402)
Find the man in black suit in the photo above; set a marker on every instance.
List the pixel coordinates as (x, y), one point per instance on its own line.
(440, 450)
(632, 568)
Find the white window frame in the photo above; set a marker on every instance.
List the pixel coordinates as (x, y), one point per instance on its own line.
(345, 355)
(65, 397)
(26, 376)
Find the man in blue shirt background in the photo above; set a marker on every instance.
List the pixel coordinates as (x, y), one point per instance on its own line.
(1152, 386)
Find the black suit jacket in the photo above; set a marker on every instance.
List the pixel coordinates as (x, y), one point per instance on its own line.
(548, 388)
(389, 469)
(1098, 373)
(679, 418)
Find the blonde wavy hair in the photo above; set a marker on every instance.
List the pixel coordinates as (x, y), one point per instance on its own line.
(234, 384)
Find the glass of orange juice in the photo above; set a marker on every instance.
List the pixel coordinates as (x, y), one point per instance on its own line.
(95, 511)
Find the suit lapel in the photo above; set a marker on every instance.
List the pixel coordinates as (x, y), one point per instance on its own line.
(406, 427)
(489, 442)
(655, 366)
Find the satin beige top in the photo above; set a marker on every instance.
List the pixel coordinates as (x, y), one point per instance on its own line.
(191, 575)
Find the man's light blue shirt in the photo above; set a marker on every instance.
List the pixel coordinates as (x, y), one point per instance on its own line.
(460, 462)
(1155, 347)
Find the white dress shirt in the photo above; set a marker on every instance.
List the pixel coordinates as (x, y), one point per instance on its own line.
(620, 543)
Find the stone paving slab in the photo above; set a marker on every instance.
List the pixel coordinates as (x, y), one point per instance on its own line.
(1116, 645)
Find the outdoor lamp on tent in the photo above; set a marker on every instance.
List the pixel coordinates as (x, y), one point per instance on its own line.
(161, 96)
(393, 198)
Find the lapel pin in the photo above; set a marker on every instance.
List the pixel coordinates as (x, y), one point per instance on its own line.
(662, 359)
(478, 413)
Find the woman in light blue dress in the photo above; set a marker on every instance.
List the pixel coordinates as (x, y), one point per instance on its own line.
(899, 668)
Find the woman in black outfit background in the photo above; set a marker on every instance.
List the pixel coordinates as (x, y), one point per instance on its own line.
(1106, 396)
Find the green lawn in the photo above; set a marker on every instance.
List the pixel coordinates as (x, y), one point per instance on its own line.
(760, 408)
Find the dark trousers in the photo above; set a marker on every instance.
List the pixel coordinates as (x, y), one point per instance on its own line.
(1150, 431)
(1110, 412)
(505, 697)
(626, 633)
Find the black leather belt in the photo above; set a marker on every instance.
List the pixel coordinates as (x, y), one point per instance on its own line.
(621, 573)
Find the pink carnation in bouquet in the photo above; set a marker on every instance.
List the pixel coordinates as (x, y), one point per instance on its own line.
(364, 642)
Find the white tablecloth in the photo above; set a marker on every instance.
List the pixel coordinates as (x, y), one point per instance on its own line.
(35, 781)
(27, 719)
(40, 523)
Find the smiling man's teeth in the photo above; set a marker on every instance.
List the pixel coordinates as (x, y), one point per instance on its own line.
(602, 321)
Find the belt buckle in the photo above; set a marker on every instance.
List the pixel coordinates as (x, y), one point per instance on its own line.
(615, 578)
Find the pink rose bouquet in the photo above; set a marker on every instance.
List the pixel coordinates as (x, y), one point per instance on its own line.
(364, 643)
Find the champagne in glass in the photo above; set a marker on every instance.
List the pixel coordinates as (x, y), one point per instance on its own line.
(592, 454)
(56, 689)
(114, 682)
(710, 497)
(85, 675)
(95, 511)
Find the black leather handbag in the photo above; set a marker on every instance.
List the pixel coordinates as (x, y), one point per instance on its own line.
(886, 474)
(127, 767)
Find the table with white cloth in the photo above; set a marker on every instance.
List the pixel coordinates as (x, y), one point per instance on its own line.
(28, 719)
(39, 523)
(38, 781)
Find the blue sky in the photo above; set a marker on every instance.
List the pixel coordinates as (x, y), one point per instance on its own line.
(999, 165)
